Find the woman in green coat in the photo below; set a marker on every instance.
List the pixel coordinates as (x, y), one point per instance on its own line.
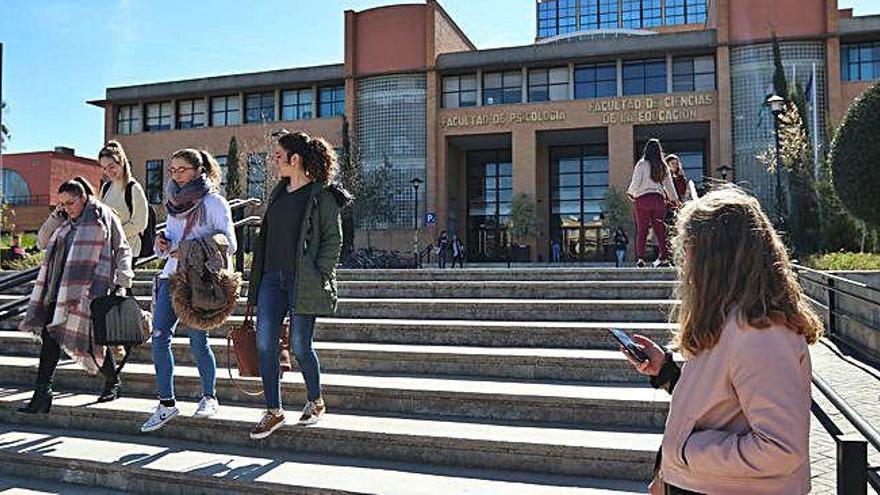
(294, 269)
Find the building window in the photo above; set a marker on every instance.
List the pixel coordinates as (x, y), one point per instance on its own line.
(16, 191)
(460, 91)
(256, 187)
(331, 101)
(644, 77)
(154, 181)
(860, 61)
(259, 107)
(598, 14)
(567, 16)
(225, 111)
(296, 104)
(548, 84)
(595, 81)
(159, 116)
(128, 119)
(547, 15)
(222, 161)
(693, 73)
(685, 12)
(578, 188)
(639, 14)
(502, 87)
(190, 113)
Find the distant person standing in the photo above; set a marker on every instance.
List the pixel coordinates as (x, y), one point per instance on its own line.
(457, 252)
(442, 248)
(556, 251)
(621, 241)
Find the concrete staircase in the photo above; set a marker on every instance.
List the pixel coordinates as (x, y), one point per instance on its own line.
(477, 380)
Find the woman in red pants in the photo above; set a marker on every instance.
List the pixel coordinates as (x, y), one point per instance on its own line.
(651, 188)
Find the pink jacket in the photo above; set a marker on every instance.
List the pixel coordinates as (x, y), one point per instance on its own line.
(739, 421)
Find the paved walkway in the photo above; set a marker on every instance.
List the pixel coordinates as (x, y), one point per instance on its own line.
(859, 384)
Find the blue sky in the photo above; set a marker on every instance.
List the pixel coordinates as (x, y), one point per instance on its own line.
(60, 53)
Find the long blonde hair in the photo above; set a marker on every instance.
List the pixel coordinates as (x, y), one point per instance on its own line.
(730, 257)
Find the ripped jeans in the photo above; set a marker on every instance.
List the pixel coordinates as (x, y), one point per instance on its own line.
(164, 323)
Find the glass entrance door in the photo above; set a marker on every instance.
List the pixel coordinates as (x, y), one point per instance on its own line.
(579, 183)
(490, 194)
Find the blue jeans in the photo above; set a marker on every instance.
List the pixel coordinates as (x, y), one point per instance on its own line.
(164, 323)
(621, 256)
(277, 296)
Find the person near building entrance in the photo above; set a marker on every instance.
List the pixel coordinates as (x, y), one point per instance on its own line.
(556, 251)
(87, 257)
(621, 241)
(195, 210)
(121, 189)
(651, 188)
(442, 249)
(294, 269)
(739, 420)
(679, 178)
(457, 252)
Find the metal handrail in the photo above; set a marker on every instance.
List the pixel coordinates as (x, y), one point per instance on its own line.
(853, 470)
(15, 307)
(30, 275)
(860, 285)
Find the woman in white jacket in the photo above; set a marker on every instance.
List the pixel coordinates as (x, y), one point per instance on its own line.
(195, 210)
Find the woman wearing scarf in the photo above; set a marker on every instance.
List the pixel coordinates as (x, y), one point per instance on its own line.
(195, 210)
(87, 256)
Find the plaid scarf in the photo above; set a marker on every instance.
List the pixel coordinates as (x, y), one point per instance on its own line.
(187, 201)
(88, 273)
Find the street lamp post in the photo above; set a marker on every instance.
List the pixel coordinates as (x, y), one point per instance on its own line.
(776, 104)
(415, 183)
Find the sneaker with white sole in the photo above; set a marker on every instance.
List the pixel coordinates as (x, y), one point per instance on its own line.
(161, 416)
(207, 407)
(312, 412)
(268, 424)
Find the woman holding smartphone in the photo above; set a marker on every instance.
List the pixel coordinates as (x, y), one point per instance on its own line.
(87, 256)
(195, 210)
(739, 420)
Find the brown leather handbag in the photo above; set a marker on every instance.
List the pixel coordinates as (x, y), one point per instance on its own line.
(243, 342)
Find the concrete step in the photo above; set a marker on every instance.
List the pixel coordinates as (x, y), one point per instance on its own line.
(638, 407)
(570, 365)
(660, 289)
(642, 310)
(492, 274)
(476, 333)
(545, 450)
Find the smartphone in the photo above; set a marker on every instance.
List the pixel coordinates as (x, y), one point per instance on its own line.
(628, 344)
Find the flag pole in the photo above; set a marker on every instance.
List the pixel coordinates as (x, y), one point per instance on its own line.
(815, 101)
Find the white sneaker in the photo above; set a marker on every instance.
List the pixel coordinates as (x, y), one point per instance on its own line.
(160, 416)
(207, 407)
(312, 413)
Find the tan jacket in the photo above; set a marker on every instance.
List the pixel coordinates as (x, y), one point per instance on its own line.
(739, 421)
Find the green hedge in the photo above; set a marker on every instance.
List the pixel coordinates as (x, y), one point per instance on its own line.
(855, 157)
(845, 261)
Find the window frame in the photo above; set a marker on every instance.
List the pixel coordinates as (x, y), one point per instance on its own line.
(335, 103)
(644, 77)
(594, 81)
(457, 93)
(154, 192)
(192, 114)
(161, 118)
(132, 123)
(226, 111)
(301, 110)
(505, 89)
(266, 111)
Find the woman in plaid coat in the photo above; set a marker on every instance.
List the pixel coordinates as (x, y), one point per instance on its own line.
(87, 256)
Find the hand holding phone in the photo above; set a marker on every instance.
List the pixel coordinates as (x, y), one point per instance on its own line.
(629, 346)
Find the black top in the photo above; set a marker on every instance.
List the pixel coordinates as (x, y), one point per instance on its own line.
(283, 223)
